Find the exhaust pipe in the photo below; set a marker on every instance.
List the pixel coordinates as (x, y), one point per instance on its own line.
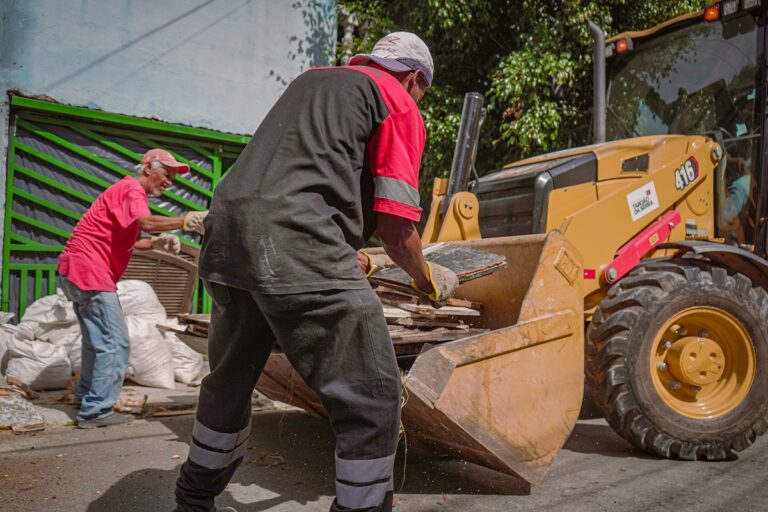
(598, 88)
(466, 146)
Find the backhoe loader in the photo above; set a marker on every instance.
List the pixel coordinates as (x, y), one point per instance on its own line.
(645, 251)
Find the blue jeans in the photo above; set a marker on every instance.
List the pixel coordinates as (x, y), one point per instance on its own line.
(105, 349)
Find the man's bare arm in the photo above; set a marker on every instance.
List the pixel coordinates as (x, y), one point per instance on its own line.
(402, 243)
(155, 223)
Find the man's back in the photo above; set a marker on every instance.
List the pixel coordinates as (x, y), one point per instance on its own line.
(300, 199)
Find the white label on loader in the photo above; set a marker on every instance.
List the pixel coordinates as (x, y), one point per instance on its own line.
(642, 201)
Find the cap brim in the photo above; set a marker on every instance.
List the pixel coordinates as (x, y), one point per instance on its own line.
(179, 167)
(390, 64)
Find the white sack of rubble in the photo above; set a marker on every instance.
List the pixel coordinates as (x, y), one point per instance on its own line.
(38, 364)
(6, 335)
(187, 363)
(137, 298)
(151, 359)
(48, 318)
(73, 343)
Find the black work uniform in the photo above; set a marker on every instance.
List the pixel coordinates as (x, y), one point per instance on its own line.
(279, 261)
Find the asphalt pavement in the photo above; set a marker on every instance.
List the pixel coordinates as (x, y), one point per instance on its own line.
(289, 468)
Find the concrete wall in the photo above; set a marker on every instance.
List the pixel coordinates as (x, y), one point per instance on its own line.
(210, 63)
(217, 64)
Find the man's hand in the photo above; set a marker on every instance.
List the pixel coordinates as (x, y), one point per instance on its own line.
(443, 282)
(193, 221)
(370, 263)
(166, 242)
(366, 263)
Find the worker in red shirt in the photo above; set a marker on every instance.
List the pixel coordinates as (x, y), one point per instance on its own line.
(94, 258)
(335, 160)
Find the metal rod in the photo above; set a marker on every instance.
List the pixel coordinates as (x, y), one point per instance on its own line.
(598, 87)
(466, 146)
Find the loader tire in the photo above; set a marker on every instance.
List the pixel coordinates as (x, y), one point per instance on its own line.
(677, 359)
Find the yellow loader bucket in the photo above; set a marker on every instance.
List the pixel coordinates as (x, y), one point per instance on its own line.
(507, 399)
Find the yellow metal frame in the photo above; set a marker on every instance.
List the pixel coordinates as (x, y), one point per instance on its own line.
(460, 221)
(597, 217)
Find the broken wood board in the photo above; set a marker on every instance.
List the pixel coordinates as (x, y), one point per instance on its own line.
(24, 429)
(395, 298)
(130, 402)
(196, 342)
(466, 262)
(198, 318)
(22, 388)
(425, 310)
(423, 322)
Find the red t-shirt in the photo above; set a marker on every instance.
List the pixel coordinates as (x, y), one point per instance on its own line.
(101, 244)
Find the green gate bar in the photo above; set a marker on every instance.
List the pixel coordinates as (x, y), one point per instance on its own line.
(104, 130)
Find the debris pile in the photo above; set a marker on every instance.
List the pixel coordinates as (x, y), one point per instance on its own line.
(17, 413)
(413, 322)
(42, 352)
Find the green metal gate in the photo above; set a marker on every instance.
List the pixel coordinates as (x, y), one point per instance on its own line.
(61, 158)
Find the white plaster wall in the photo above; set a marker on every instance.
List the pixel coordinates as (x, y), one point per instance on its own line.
(217, 64)
(210, 63)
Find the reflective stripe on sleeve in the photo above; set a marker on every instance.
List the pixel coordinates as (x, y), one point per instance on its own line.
(396, 190)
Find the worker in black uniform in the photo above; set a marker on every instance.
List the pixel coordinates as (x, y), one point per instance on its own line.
(335, 160)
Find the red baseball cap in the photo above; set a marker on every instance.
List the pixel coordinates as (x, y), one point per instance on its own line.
(164, 158)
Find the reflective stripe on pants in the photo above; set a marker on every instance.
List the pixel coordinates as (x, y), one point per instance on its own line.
(338, 341)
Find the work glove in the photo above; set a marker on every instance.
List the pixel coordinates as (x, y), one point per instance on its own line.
(444, 282)
(370, 263)
(166, 242)
(193, 221)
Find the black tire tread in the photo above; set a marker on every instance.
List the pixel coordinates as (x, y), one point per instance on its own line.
(608, 344)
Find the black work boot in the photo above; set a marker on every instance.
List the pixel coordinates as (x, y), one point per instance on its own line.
(116, 418)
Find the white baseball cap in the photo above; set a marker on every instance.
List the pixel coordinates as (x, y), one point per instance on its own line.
(398, 52)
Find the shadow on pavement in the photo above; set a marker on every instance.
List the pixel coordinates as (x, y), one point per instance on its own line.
(290, 459)
(600, 439)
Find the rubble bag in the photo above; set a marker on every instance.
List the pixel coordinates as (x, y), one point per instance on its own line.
(137, 298)
(38, 364)
(5, 336)
(151, 360)
(187, 363)
(73, 343)
(48, 318)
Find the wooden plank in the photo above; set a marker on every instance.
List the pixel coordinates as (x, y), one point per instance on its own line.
(463, 303)
(467, 262)
(423, 322)
(396, 312)
(430, 311)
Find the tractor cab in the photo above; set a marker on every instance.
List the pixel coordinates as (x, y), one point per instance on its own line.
(700, 76)
(696, 76)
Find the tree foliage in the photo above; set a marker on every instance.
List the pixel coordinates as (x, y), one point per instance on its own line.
(531, 59)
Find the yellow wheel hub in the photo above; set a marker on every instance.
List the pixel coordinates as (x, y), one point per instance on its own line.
(696, 360)
(702, 362)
